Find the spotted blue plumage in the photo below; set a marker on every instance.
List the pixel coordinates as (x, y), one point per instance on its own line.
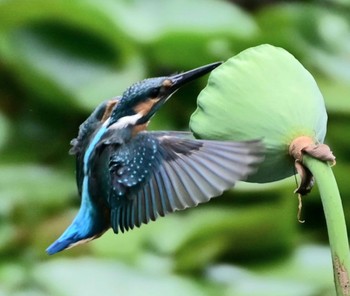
(156, 173)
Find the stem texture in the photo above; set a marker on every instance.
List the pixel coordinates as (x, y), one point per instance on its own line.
(334, 214)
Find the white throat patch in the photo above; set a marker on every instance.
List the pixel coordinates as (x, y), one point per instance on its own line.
(125, 121)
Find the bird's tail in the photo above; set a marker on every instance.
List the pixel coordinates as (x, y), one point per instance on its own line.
(85, 227)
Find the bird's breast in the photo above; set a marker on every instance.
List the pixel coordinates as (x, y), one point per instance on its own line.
(138, 128)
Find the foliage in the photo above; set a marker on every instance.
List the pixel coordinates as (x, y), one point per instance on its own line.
(59, 59)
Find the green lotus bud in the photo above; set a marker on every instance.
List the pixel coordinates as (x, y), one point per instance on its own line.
(263, 92)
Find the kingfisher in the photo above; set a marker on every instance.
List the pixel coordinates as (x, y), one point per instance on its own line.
(127, 176)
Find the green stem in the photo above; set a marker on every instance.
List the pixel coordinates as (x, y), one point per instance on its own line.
(333, 209)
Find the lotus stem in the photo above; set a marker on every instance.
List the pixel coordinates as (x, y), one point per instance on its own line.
(334, 214)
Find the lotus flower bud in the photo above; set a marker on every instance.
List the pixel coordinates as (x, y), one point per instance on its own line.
(262, 93)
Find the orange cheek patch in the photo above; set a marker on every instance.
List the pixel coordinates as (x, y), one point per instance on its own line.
(143, 108)
(109, 109)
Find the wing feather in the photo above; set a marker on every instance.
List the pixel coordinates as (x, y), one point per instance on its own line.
(180, 173)
(170, 194)
(177, 186)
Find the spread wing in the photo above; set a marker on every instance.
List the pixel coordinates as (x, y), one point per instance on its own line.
(158, 173)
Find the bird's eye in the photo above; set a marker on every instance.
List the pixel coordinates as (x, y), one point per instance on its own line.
(154, 92)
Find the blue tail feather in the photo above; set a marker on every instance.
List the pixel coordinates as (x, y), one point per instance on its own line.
(66, 240)
(86, 226)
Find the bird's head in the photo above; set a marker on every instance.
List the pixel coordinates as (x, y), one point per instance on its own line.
(91, 124)
(142, 100)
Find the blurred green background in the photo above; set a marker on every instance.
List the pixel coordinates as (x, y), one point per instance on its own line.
(60, 58)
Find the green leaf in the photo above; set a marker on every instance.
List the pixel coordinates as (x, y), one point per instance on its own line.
(12, 276)
(185, 33)
(32, 189)
(232, 233)
(81, 58)
(318, 35)
(336, 93)
(149, 21)
(4, 130)
(262, 93)
(9, 238)
(100, 277)
(125, 246)
(307, 272)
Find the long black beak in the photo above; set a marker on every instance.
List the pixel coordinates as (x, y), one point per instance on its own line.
(179, 80)
(176, 81)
